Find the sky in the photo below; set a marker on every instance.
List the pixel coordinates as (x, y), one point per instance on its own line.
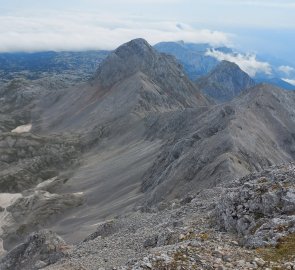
(264, 27)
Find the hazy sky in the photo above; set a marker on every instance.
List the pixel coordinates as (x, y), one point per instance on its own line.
(263, 26)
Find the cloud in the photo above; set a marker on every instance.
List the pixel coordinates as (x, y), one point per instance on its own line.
(80, 31)
(271, 4)
(147, 1)
(247, 63)
(262, 3)
(289, 81)
(286, 69)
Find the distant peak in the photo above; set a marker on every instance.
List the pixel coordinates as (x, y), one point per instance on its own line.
(139, 42)
(228, 64)
(228, 67)
(225, 82)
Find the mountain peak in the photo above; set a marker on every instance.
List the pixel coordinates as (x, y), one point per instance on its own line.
(137, 46)
(227, 67)
(131, 57)
(225, 63)
(225, 82)
(137, 57)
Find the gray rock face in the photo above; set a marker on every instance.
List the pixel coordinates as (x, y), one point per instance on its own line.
(39, 250)
(260, 207)
(225, 82)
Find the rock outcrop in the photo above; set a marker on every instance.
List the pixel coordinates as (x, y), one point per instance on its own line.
(260, 207)
(39, 250)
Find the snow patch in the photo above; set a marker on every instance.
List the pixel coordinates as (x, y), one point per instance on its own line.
(22, 129)
(7, 199)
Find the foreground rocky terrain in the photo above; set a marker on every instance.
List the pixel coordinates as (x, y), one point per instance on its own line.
(184, 234)
(260, 207)
(137, 169)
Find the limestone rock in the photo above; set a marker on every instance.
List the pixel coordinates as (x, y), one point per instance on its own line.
(43, 247)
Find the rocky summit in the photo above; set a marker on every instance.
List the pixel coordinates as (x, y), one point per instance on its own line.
(225, 82)
(138, 167)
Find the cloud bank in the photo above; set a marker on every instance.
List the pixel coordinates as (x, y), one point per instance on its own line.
(286, 69)
(285, 4)
(247, 63)
(86, 31)
(289, 81)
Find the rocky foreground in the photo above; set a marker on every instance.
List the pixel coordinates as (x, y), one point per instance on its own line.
(246, 224)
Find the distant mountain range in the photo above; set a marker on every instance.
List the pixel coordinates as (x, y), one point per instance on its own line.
(40, 64)
(81, 65)
(197, 62)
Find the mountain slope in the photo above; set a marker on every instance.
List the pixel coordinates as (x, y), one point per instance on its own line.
(103, 126)
(133, 80)
(250, 133)
(225, 82)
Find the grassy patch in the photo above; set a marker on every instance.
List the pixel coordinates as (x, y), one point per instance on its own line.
(284, 251)
(180, 260)
(258, 215)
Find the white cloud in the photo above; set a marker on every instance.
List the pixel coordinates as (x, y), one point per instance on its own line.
(247, 63)
(146, 1)
(78, 31)
(286, 69)
(289, 81)
(270, 4)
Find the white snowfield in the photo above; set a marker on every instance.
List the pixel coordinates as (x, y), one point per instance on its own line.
(22, 129)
